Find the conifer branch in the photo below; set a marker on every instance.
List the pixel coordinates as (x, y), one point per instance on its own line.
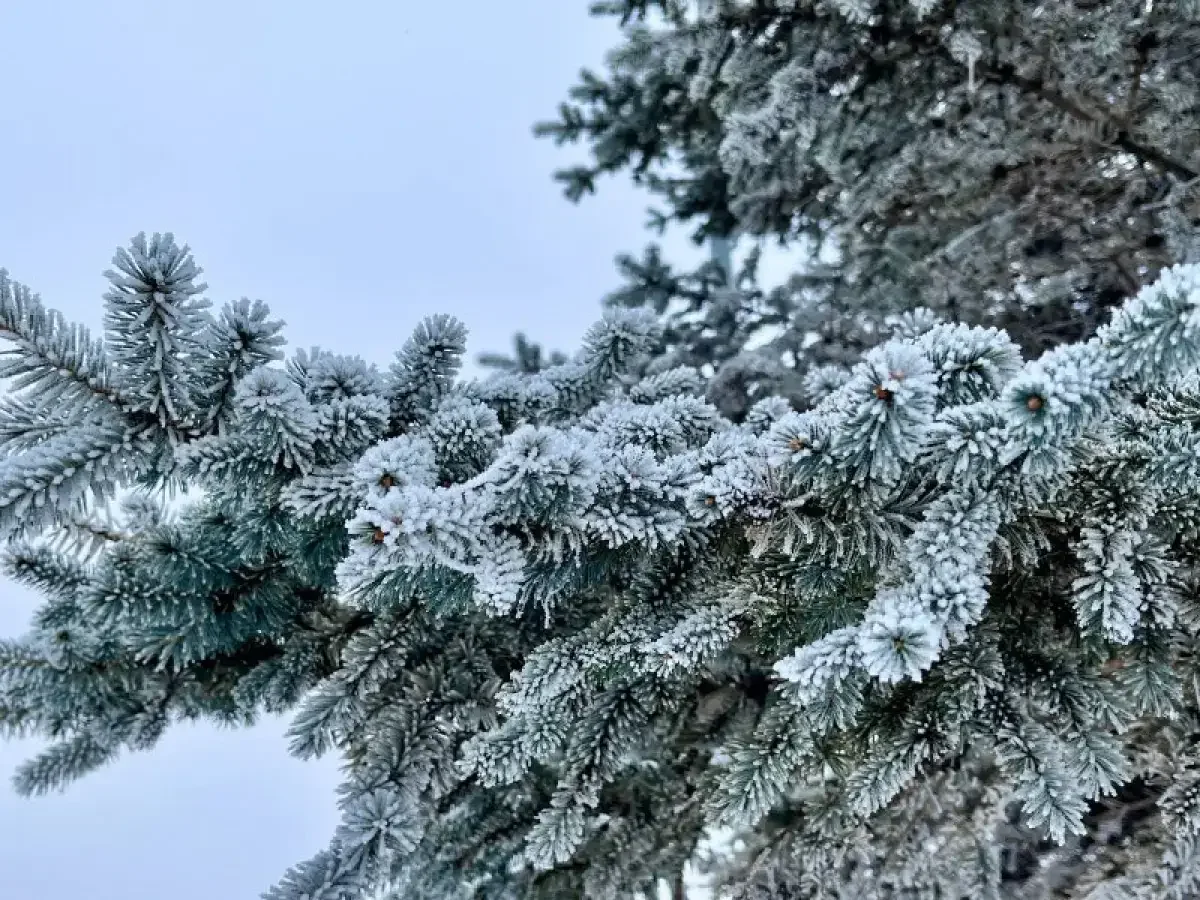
(1121, 136)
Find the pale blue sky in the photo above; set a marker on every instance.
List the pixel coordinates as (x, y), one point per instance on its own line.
(357, 165)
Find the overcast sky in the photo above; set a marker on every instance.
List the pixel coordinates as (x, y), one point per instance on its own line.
(358, 165)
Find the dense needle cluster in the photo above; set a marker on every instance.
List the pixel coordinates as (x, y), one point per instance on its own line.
(560, 623)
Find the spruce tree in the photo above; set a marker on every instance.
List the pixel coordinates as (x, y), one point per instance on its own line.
(561, 624)
(1017, 164)
(901, 598)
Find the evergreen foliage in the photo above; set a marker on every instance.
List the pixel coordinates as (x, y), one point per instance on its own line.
(1019, 164)
(561, 623)
(890, 571)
